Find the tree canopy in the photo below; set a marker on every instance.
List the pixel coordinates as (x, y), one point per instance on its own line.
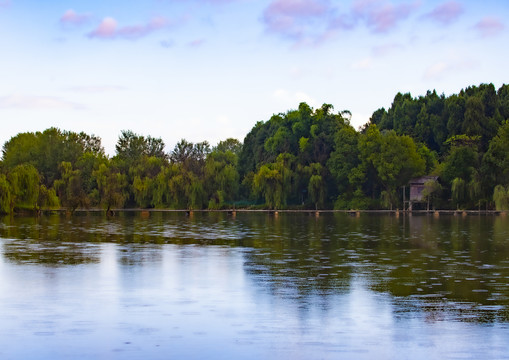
(303, 158)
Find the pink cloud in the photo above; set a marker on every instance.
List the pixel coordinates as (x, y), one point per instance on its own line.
(296, 8)
(293, 18)
(446, 13)
(317, 21)
(109, 29)
(489, 26)
(383, 17)
(71, 17)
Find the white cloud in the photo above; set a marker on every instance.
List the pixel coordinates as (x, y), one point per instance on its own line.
(441, 69)
(363, 64)
(292, 99)
(436, 70)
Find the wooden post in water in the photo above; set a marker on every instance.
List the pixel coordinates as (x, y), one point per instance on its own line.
(404, 198)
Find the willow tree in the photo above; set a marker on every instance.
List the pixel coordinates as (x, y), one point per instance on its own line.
(458, 190)
(70, 188)
(268, 182)
(111, 186)
(501, 197)
(221, 175)
(24, 180)
(316, 184)
(48, 198)
(5, 195)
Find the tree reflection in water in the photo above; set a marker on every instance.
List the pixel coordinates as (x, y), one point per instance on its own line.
(448, 267)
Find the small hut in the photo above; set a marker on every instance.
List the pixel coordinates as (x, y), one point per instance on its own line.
(416, 189)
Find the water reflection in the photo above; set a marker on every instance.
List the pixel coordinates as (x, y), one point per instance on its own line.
(451, 258)
(332, 284)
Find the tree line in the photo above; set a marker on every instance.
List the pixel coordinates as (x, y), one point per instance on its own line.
(305, 158)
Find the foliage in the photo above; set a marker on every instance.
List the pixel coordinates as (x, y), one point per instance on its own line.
(24, 186)
(432, 189)
(501, 197)
(70, 188)
(46, 150)
(47, 198)
(5, 195)
(111, 186)
(268, 182)
(131, 147)
(316, 185)
(458, 191)
(305, 157)
(496, 160)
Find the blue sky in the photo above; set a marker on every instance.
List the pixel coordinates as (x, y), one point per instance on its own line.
(210, 69)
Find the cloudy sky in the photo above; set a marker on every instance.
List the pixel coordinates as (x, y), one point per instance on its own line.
(210, 69)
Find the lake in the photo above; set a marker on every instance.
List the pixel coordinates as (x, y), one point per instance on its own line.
(254, 286)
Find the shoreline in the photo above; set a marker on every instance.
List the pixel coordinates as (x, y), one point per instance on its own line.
(288, 211)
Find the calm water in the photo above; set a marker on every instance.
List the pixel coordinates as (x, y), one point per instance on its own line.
(212, 286)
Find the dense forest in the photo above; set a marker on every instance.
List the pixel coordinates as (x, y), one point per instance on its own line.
(303, 159)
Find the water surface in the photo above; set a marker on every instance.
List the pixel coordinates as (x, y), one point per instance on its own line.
(254, 286)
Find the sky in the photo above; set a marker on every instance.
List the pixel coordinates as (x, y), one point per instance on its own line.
(210, 69)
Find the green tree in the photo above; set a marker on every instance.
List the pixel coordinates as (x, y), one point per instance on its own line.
(70, 188)
(495, 164)
(46, 150)
(221, 176)
(24, 181)
(430, 192)
(5, 195)
(501, 197)
(111, 185)
(268, 182)
(48, 198)
(458, 190)
(394, 158)
(191, 156)
(21, 149)
(344, 158)
(229, 145)
(132, 147)
(460, 162)
(316, 185)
